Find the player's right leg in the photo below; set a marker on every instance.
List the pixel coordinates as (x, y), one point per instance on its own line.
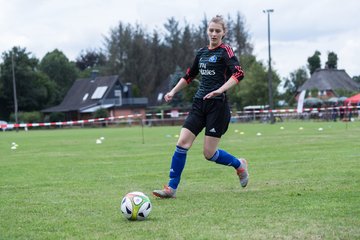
(177, 164)
(166, 192)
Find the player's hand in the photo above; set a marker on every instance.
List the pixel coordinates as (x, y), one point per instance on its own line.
(168, 97)
(212, 94)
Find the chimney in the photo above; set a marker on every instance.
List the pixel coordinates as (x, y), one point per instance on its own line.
(94, 74)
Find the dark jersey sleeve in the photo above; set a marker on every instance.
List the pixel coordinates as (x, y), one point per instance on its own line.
(233, 67)
(193, 71)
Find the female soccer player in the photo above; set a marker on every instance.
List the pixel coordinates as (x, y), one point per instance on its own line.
(220, 71)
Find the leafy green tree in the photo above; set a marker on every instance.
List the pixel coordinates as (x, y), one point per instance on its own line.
(117, 46)
(241, 36)
(253, 89)
(314, 62)
(200, 37)
(147, 61)
(56, 117)
(28, 117)
(60, 70)
(101, 113)
(296, 79)
(229, 37)
(90, 59)
(356, 79)
(139, 56)
(332, 60)
(172, 40)
(157, 67)
(34, 88)
(190, 90)
(141, 59)
(174, 79)
(344, 92)
(129, 55)
(187, 48)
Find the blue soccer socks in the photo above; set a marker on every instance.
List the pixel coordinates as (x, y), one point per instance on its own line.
(177, 166)
(179, 158)
(224, 158)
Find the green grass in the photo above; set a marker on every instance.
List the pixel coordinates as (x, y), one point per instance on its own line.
(305, 184)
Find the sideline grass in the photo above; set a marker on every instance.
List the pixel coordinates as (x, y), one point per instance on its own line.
(305, 184)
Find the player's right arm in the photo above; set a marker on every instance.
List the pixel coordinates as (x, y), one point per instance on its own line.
(191, 73)
(180, 85)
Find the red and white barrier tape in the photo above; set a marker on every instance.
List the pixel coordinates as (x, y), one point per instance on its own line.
(295, 110)
(77, 122)
(46, 124)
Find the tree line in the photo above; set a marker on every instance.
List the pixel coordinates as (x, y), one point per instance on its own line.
(146, 60)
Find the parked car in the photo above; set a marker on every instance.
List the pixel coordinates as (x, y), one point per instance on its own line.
(5, 126)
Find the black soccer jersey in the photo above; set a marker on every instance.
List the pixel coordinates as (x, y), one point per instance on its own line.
(216, 66)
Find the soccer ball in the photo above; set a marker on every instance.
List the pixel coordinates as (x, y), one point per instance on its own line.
(136, 206)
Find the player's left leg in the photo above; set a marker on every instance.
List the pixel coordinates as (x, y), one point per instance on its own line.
(216, 125)
(212, 153)
(222, 157)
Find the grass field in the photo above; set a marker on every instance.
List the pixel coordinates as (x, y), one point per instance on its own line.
(60, 184)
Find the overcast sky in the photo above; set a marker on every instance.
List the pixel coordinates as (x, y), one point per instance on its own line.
(298, 28)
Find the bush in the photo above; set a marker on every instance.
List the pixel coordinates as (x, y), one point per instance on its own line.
(56, 117)
(101, 113)
(27, 117)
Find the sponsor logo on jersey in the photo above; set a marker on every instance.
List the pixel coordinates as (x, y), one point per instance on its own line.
(212, 59)
(206, 72)
(203, 66)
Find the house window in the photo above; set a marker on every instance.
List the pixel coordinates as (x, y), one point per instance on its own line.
(117, 93)
(99, 92)
(322, 93)
(85, 96)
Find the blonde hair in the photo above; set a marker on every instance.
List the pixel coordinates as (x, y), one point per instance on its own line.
(218, 19)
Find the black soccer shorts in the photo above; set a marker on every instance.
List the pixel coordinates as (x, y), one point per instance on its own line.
(211, 114)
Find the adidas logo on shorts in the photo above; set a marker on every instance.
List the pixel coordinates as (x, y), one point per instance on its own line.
(212, 130)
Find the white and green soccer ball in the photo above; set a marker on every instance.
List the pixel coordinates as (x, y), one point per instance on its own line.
(136, 206)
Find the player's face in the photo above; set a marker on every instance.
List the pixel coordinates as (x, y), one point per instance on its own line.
(215, 33)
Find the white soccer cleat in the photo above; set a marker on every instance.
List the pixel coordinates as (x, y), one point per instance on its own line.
(242, 172)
